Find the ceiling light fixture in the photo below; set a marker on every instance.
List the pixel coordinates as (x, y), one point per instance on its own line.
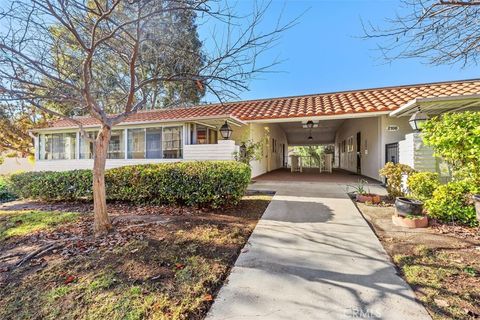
(310, 126)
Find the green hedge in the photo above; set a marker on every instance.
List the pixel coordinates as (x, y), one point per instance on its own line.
(207, 183)
(452, 202)
(5, 194)
(52, 185)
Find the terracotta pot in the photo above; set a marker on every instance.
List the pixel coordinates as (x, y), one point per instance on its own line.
(412, 223)
(406, 206)
(476, 200)
(372, 198)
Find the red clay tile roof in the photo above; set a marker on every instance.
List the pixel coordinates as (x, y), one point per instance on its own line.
(323, 104)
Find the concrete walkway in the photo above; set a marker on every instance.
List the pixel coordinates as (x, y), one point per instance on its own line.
(312, 256)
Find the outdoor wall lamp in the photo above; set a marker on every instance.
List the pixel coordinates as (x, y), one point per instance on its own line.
(226, 131)
(417, 120)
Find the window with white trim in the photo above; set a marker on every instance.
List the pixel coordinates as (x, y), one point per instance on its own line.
(155, 143)
(57, 146)
(172, 142)
(87, 145)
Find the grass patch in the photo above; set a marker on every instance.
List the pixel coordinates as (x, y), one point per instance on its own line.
(19, 223)
(444, 282)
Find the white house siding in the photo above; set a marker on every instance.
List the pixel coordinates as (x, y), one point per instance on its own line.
(388, 137)
(224, 150)
(415, 154)
(370, 150)
(66, 165)
(277, 136)
(271, 160)
(11, 165)
(406, 154)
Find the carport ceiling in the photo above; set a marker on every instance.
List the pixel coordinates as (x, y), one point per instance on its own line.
(323, 134)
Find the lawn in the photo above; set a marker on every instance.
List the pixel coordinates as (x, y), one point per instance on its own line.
(441, 263)
(19, 223)
(160, 263)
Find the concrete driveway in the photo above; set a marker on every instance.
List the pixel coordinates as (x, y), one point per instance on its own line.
(312, 256)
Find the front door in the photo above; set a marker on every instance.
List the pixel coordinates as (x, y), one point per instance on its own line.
(359, 153)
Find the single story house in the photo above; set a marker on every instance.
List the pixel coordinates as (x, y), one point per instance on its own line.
(366, 127)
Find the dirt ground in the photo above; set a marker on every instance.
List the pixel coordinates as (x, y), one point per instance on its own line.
(441, 262)
(160, 262)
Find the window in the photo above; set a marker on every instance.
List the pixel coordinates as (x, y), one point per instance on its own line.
(202, 137)
(116, 147)
(274, 145)
(343, 146)
(172, 142)
(154, 143)
(136, 143)
(350, 144)
(213, 136)
(87, 147)
(57, 146)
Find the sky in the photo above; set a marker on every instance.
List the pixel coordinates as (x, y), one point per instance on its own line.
(324, 52)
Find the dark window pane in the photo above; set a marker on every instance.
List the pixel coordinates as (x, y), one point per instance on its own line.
(116, 147)
(172, 142)
(201, 135)
(57, 146)
(154, 143)
(87, 147)
(136, 143)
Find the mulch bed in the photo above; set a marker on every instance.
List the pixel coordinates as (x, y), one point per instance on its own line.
(180, 257)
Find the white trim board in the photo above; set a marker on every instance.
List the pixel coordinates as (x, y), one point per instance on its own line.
(439, 104)
(322, 118)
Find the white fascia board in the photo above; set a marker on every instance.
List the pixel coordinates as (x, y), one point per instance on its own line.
(412, 104)
(322, 118)
(416, 103)
(142, 124)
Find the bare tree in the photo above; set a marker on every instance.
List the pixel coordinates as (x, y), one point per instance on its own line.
(55, 52)
(439, 31)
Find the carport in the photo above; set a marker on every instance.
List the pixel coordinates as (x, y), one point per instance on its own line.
(355, 141)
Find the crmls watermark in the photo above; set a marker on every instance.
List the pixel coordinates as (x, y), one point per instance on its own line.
(362, 313)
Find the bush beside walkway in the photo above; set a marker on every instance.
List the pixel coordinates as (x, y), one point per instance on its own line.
(203, 183)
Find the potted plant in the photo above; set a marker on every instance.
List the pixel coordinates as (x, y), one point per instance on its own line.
(406, 206)
(411, 221)
(362, 193)
(409, 213)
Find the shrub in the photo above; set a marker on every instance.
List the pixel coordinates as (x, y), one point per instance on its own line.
(5, 194)
(455, 137)
(249, 151)
(422, 184)
(394, 172)
(53, 185)
(208, 183)
(452, 203)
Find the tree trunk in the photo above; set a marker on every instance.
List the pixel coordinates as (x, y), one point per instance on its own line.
(102, 224)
